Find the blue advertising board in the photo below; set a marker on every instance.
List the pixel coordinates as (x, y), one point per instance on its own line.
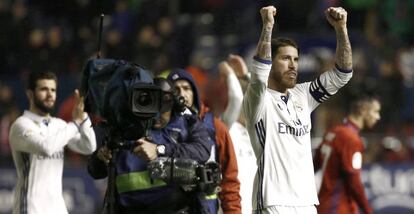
(389, 187)
(82, 194)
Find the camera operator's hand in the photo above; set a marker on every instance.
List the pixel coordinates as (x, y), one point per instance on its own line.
(146, 150)
(104, 154)
(78, 115)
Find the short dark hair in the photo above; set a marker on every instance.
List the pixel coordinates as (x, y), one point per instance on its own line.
(35, 76)
(282, 42)
(359, 101)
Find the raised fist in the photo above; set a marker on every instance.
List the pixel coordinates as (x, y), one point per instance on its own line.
(268, 14)
(336, 16)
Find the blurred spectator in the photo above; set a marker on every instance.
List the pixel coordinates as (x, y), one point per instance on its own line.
(405, 62)
(36, 55)
(389, 87)
(8, 114)
(115, 45)
(146, 46)
(65, 109)
(4, 33)
(17, 30)
(237, 77)
(122, 19)
(58, 52)
(393, 150)
(212, 87)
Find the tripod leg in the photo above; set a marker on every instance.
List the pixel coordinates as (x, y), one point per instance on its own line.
(110, 198)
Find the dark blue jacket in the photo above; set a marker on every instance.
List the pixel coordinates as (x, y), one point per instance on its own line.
(208, 119)
(184, 137)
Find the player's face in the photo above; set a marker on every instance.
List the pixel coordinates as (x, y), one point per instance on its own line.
(44, 96)
(372, 115)
(183, 88)
(285, 67)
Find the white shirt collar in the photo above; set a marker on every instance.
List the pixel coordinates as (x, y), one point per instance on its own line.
(35, 117)
(279, 95)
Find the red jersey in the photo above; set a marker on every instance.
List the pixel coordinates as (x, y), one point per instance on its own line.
(340, 158)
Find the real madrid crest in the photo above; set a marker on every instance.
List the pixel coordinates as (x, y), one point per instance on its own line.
(298, 106)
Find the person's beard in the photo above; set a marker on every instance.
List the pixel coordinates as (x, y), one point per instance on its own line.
(42, 107)
(283, 81)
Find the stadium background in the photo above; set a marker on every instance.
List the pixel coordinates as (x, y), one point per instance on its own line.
(162, 34)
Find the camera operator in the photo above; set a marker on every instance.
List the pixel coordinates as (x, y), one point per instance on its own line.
(230, 200)
(172, 135)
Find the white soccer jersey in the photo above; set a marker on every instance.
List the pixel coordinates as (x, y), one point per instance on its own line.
(279, 128)
(235, 99)
(38, 156)
(246, 162)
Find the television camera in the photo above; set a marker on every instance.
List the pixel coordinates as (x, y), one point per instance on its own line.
(123, 98)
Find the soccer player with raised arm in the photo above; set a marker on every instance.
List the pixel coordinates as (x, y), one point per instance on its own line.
(278, 118)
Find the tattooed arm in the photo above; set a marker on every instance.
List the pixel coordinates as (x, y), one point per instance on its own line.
(331, 81)
(254, 98)
(263, 50)
(337, 17)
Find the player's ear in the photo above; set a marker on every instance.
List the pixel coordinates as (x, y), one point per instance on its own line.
(364, 109)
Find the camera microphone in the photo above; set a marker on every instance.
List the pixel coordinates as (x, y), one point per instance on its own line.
(179, 103)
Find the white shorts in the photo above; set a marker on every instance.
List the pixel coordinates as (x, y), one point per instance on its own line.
(287, 210)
